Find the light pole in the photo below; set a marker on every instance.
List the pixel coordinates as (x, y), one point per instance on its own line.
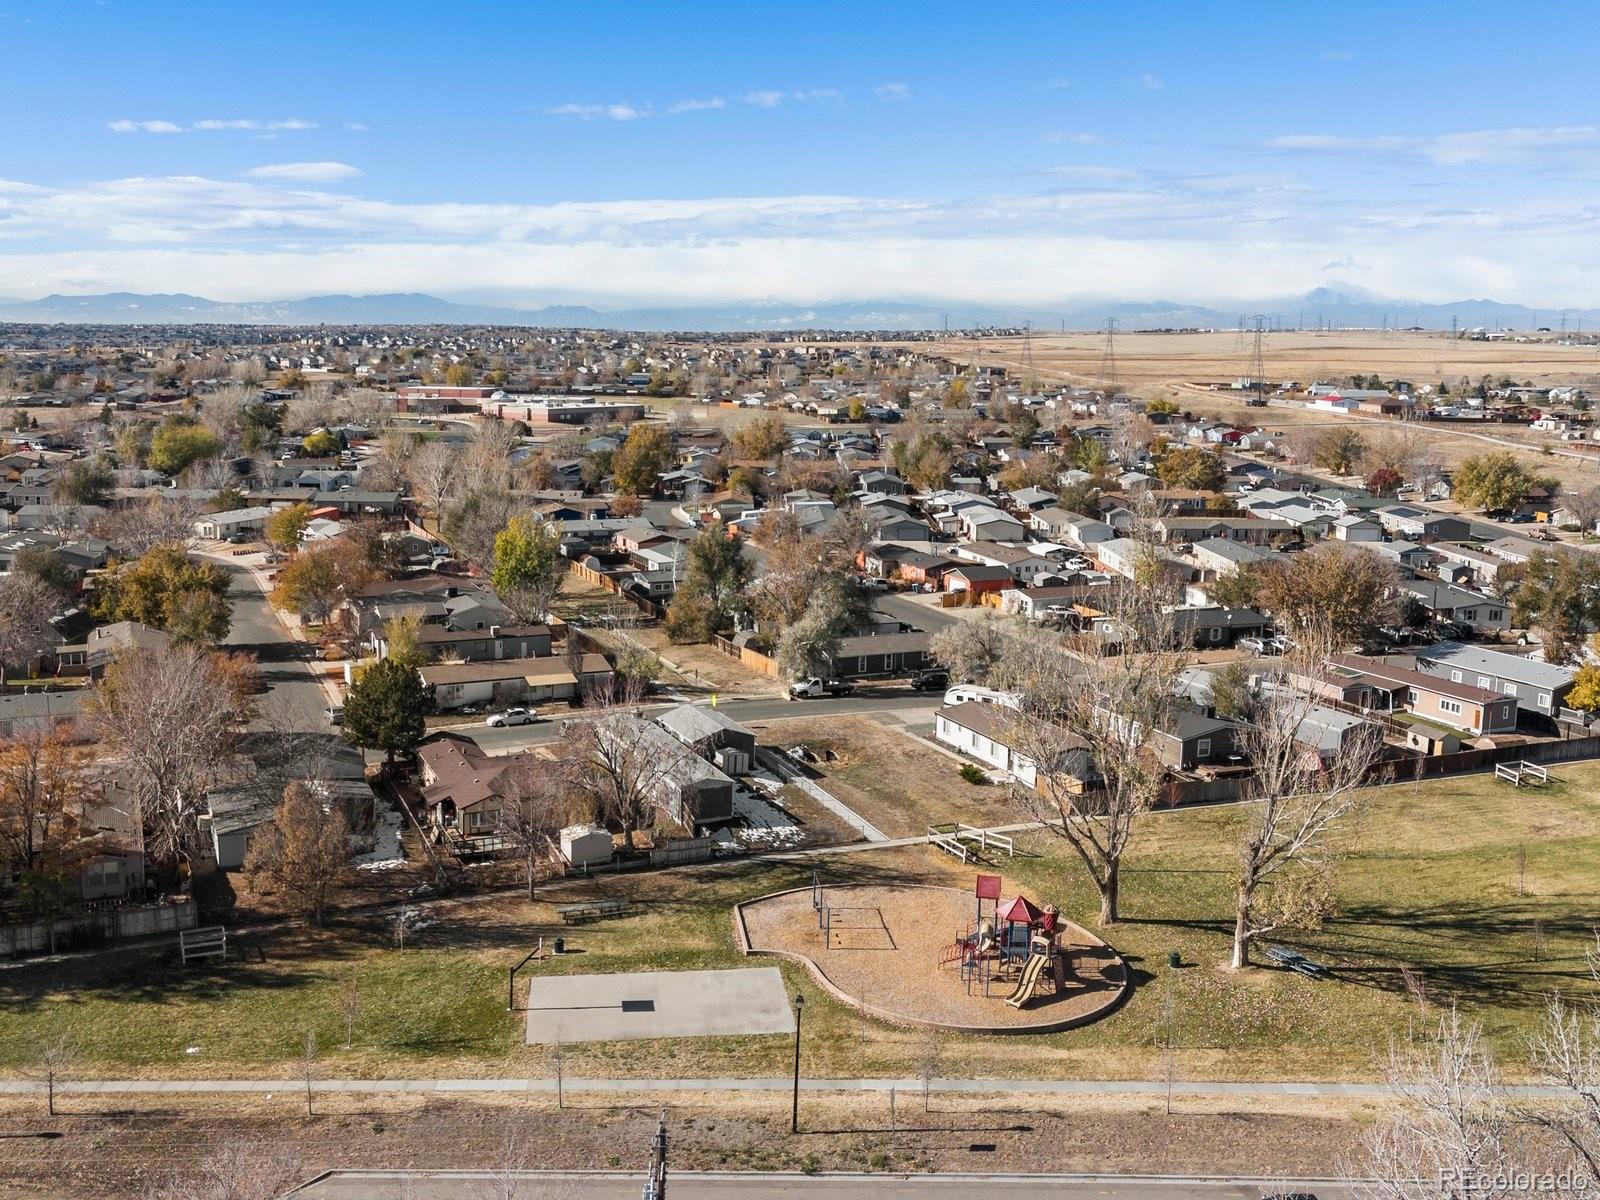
(794, 1112)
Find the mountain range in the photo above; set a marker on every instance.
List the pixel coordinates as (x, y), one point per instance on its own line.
(1323, 307)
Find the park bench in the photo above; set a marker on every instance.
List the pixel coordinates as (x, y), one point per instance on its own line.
(593, 910)
(1294, 961)
(208, 942)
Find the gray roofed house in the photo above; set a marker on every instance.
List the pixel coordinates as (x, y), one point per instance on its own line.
(1539, 687)
(706, 730)
(38, 711)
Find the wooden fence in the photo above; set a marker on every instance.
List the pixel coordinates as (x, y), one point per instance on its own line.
(1213, 791)
(753, 659)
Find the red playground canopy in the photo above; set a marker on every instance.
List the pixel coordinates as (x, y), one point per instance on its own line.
(1020, 911)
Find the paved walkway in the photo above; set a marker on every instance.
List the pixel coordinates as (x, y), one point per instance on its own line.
(1261, 1089)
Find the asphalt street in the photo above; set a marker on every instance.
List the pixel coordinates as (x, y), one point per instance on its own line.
(294, 701)
(423, 1185)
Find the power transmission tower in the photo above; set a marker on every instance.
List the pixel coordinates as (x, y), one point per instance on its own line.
(1028, 379)
(1258, 362)
(1239, 342)
(1453, 323)
(1108, 358)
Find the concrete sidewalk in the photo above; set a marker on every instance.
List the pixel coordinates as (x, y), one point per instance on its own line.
(1263, 1089)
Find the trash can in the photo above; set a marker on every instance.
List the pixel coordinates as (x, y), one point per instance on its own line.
(560, 947)
(1174, 959)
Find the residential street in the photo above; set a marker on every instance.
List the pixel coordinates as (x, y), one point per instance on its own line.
(294, 700)
(382, 1185)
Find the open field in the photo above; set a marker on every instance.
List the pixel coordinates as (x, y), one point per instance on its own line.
(1486, 893)
(114, 1147)
(1164, 359)
(900, 785)
(1171, 365)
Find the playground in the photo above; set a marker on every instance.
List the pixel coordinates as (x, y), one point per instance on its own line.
(986, 959)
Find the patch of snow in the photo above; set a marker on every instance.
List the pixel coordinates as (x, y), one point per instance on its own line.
(760, 822)
(386, 853)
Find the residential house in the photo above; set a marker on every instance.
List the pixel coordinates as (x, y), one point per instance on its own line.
(1540, 688)
(713, 735)
(101, 646)
(1352, 528)
(1446, 603)
(221, 525)
(475, 645)
(885, 654)
(1421, 524)
(978, 578)
(513, 680)
(683, 785)
(1211, 628)
(979, 731)
(1191, 738)
(464, 788)
(1376, 684)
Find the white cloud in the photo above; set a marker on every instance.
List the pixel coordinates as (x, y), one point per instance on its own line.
(126, 126)
(771, 98)
(599, 112)
(355, 126)
(1103, 231)
(892, 93)
(1057, 137)
(305, 172)
(1451, 149)
(689, 106)
(764, 99)
(289, 124)
(1151, 83)
(213, 124)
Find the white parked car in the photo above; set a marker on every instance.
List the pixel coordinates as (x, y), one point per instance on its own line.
(511, 716)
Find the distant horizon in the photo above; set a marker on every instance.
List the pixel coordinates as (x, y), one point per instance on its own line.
(1110, 158)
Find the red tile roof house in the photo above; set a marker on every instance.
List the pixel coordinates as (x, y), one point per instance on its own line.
(1373, 683)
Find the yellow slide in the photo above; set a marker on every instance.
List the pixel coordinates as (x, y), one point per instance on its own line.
(1029, 981)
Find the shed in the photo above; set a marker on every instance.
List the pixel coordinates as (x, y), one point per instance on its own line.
(585, 845)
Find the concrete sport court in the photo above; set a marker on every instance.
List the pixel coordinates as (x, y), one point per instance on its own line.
(656, 1004)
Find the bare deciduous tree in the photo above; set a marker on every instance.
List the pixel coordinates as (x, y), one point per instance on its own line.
(26, 605)
(1300, 790)
(349, 1005)
(617, 760)
(1095, 719)
(534, 809)
(138, 528)
(302, 853)
(171, 717)
(1448, 1127)
(52, 1059)
(234, 1170)
(433, 470)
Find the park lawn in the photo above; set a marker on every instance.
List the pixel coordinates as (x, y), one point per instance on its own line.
(898, 783)
(1433, 881)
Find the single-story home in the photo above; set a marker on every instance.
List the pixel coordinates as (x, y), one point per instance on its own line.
(513, 680)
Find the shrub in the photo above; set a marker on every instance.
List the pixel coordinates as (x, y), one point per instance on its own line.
(973, 774)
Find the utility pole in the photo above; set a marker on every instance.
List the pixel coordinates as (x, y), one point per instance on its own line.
(655, 1186)
(794, 1110)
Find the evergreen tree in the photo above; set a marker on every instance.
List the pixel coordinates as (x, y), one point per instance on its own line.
(385, 708)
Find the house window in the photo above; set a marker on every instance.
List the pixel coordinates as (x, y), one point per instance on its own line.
(1470, 614)
(1485, 682)
(478, 820)
(1449, 706)
(1216, 633)
(1510, 689)
(1202, 748)
(1544, 699)
(1495, 614)
(1455, 676)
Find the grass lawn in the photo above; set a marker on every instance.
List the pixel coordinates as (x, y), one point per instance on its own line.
(1487, 893)
(901, 785)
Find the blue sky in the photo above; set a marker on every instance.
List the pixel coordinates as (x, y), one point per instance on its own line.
(696, 153)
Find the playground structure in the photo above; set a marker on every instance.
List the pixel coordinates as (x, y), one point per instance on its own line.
(1016, 943)
(877, 948)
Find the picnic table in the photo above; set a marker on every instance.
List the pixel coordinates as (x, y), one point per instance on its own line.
(1294, 961)
(593, 910)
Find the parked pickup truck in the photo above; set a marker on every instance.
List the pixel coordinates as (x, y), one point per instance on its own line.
(810, 689)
